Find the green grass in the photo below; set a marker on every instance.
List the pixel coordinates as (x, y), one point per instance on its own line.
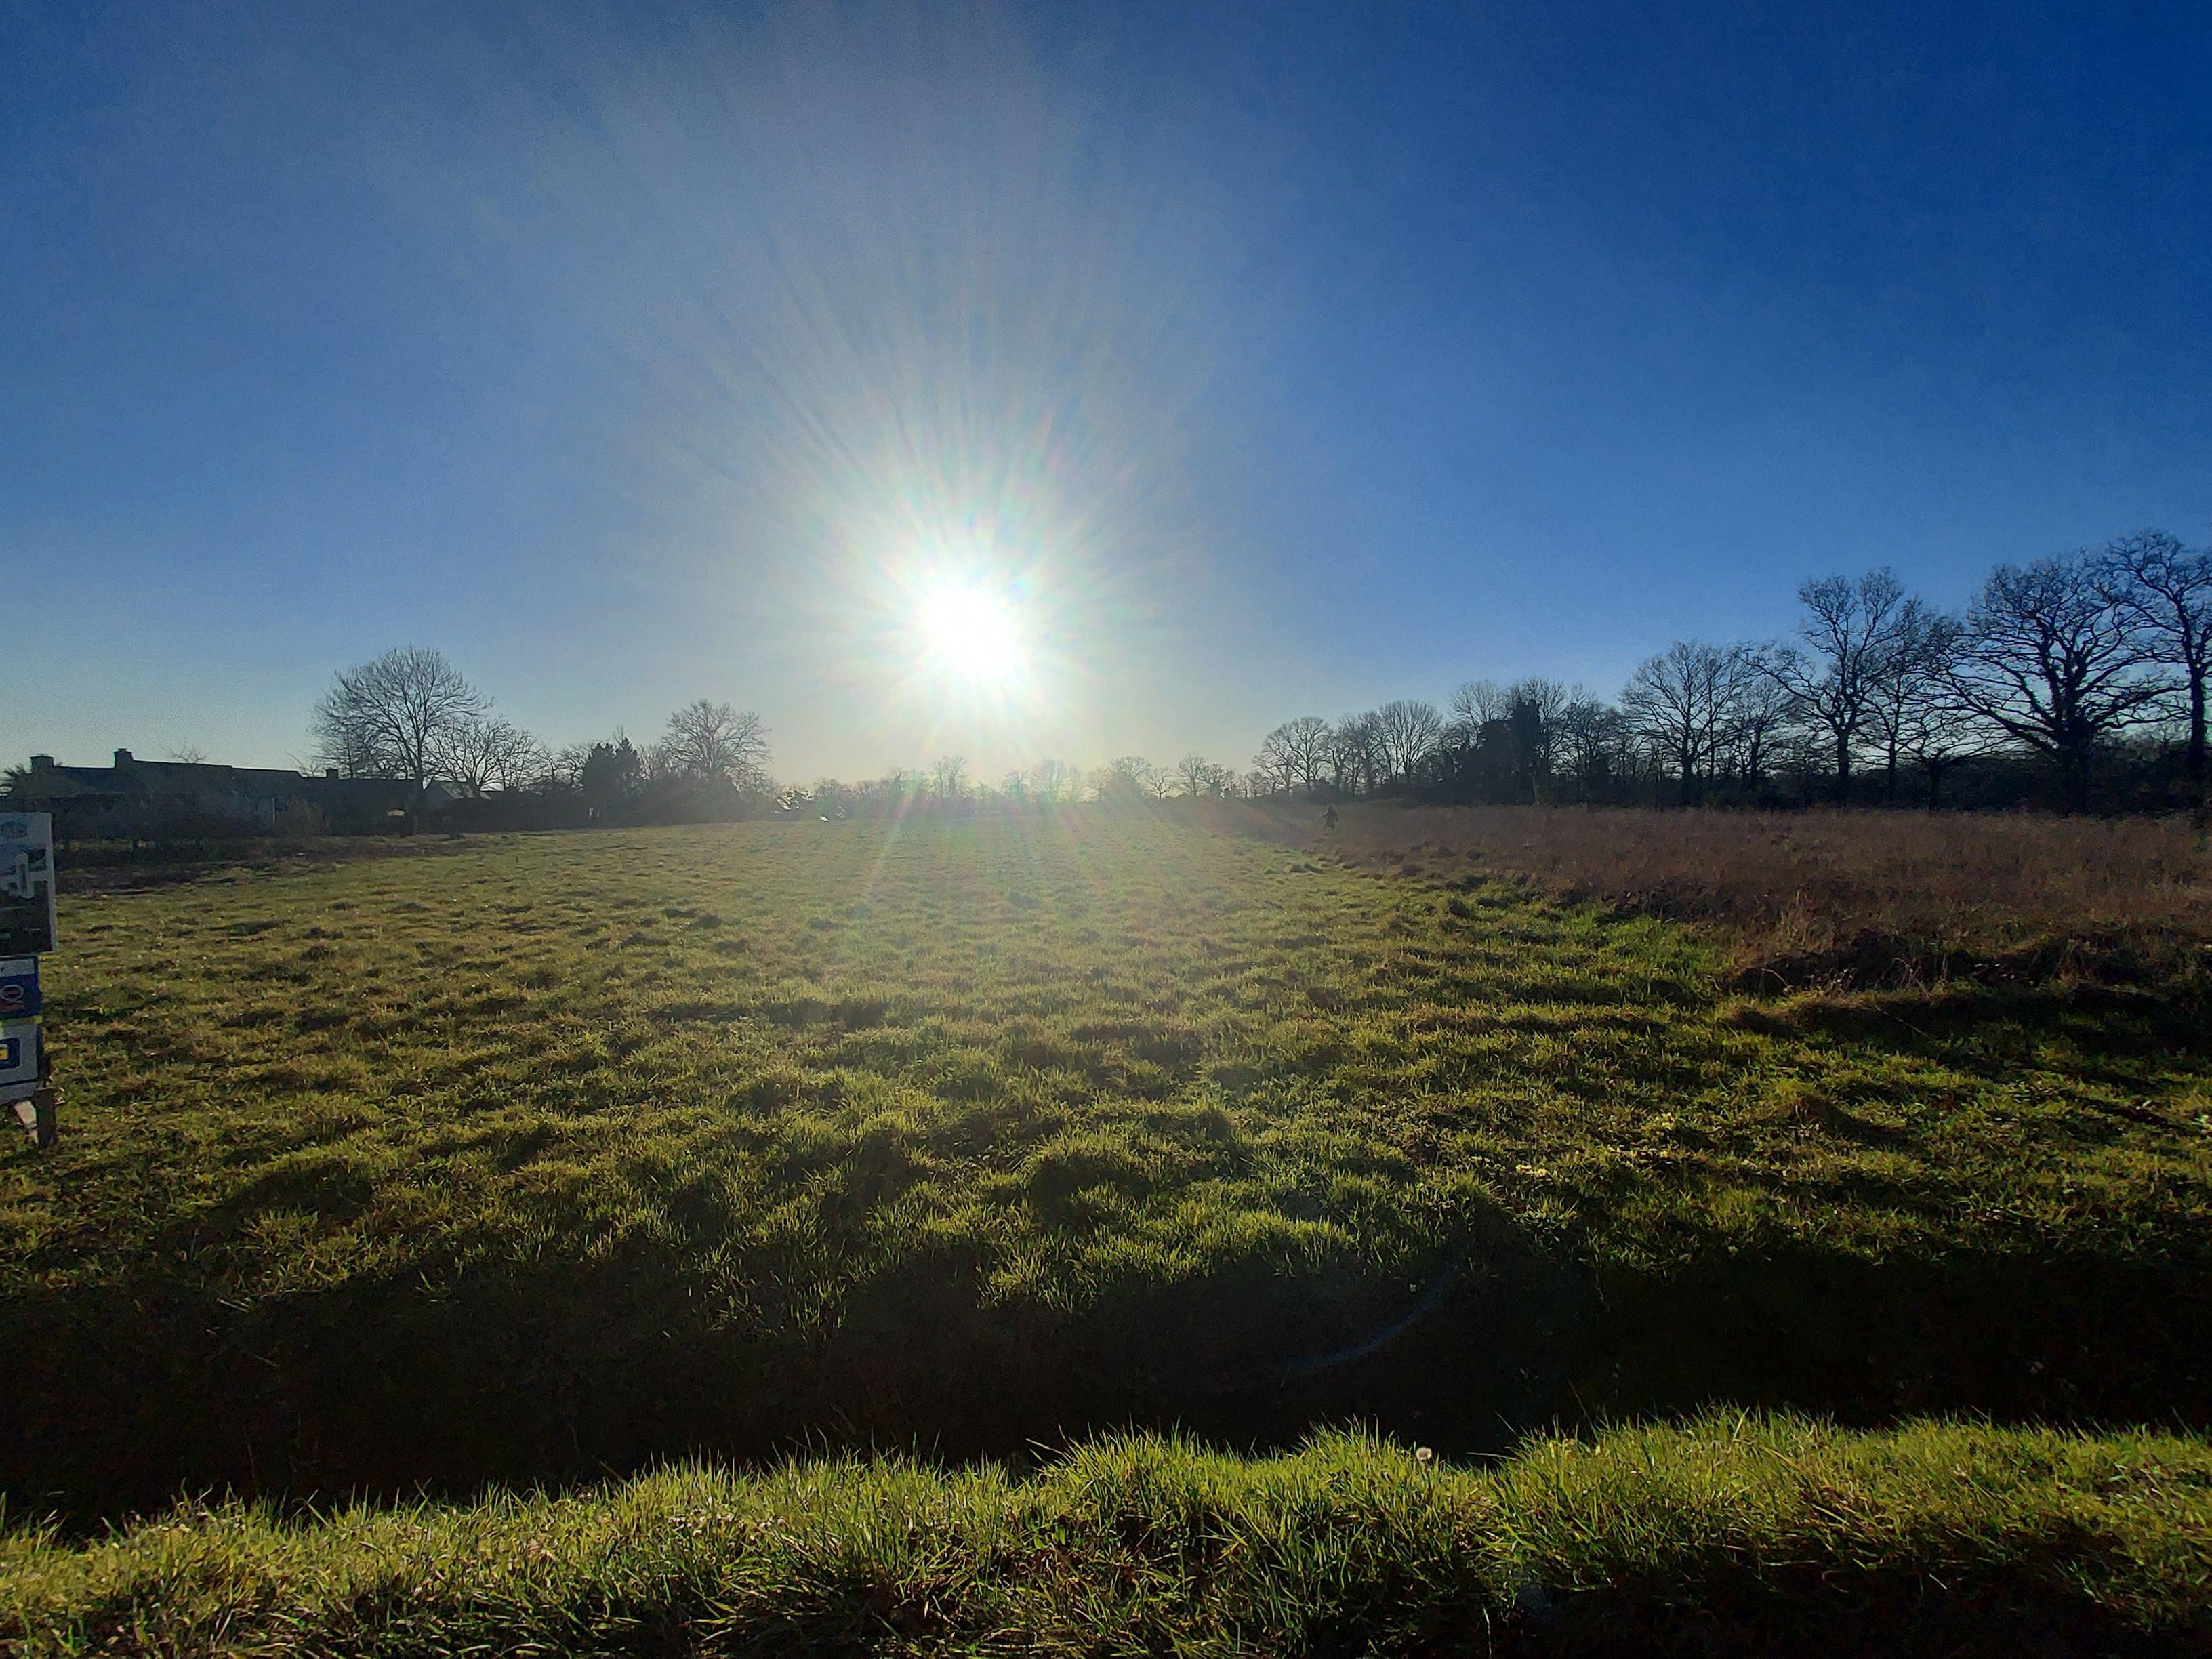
(561, 1154)
(1736, 1535)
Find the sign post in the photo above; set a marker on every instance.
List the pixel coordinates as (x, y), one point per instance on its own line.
(27, 933)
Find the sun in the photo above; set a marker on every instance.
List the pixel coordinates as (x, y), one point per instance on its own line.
(971, 635)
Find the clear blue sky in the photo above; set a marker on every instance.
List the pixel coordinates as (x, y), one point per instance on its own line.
(1275, 361)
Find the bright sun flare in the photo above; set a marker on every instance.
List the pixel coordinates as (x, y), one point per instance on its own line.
(971, 635)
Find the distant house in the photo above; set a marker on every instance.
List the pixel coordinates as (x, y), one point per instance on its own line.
(140, 799)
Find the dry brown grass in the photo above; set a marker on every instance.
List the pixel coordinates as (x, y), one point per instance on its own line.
(1844, 898)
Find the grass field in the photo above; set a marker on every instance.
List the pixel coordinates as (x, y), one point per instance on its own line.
(552, 1157)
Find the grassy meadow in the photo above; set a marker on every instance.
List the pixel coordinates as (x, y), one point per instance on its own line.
(550, 1159)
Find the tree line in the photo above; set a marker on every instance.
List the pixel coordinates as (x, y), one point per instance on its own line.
(411, 716)
(2079, 678)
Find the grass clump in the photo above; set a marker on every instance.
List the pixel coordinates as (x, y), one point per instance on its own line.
(1748, 1535)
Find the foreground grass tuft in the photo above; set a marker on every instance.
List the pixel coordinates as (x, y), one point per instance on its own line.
(1741, 1534)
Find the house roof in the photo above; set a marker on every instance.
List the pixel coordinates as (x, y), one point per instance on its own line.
(140, 777)
(135, 777)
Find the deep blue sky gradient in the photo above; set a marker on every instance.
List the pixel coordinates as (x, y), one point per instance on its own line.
(1374, 348)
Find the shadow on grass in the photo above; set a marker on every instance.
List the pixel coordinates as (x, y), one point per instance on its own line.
(117, 1399)
(2122, 1021)
(2072, 1339)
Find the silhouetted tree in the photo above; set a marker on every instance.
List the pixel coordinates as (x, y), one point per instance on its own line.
(1851, 630)
(1681, 703)
(1407, 730)
(715, 742)
(1935, 731)
(1912, 699)
(611, 774)
(394, 717)
(1199, 778)
(1296, 753)
(2047, 658)
(1592, 734)
(2166, 592)
(1758, 713)
(1533, 708)
(489, 751)
(1476, 703)
(1125, 780)
(1355, 753)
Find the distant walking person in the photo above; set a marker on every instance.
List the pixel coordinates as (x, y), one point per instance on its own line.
(1328, 818)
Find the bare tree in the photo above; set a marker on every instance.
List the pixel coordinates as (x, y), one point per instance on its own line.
(1349, 758)
(189, 754)
(1477, 702)
(949, 778)
(662, 763)
(1199, 778)
(1937, 731)
(2166, 591)
(1124, 779)
(1757, 714)
(1547, 697)
(567, 763)
(1913, 690)
(390, 718)
(489, 751)
(1591, 734)
(1681, 701)
(1275, 765)
(1851, 630)
(2047, 658)
(1055, 782)
(1408, 731)
(1295, 752)
(1356, 752)
(713, 740)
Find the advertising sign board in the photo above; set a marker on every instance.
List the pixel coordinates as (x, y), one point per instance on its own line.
(27, 883)
(18, 986)
(19, 1056)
